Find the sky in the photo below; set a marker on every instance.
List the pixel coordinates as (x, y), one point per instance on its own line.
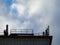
(31, 14)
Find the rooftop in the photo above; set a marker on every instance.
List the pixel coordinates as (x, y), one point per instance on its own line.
(24, 32)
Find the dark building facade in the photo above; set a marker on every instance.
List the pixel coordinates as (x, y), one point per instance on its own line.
(25, 40)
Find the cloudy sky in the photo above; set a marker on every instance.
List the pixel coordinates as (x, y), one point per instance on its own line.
(31, 14)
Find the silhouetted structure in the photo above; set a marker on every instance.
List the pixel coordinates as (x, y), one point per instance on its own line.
(21, 32)
(43, 34)
(47, 31)
(18, 37)
(6, 31)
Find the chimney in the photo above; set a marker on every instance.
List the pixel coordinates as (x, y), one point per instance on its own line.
(46, 33)
(43, 33)
(6, 31)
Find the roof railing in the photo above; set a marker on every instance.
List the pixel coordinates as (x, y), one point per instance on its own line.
(25, 32)
(21, 31)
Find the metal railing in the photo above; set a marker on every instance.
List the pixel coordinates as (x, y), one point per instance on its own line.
(25, 31)
(21, 31)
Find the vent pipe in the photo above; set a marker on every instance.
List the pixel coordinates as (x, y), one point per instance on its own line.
(6, 31)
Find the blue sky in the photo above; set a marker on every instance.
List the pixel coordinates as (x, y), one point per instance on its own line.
(31, 14)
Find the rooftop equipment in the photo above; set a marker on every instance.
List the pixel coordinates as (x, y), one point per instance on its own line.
(47, 31)
(24, 32)
(6, 31)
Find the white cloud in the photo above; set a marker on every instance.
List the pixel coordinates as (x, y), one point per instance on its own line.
(37, 11)
(35, 6)
(19, 7)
